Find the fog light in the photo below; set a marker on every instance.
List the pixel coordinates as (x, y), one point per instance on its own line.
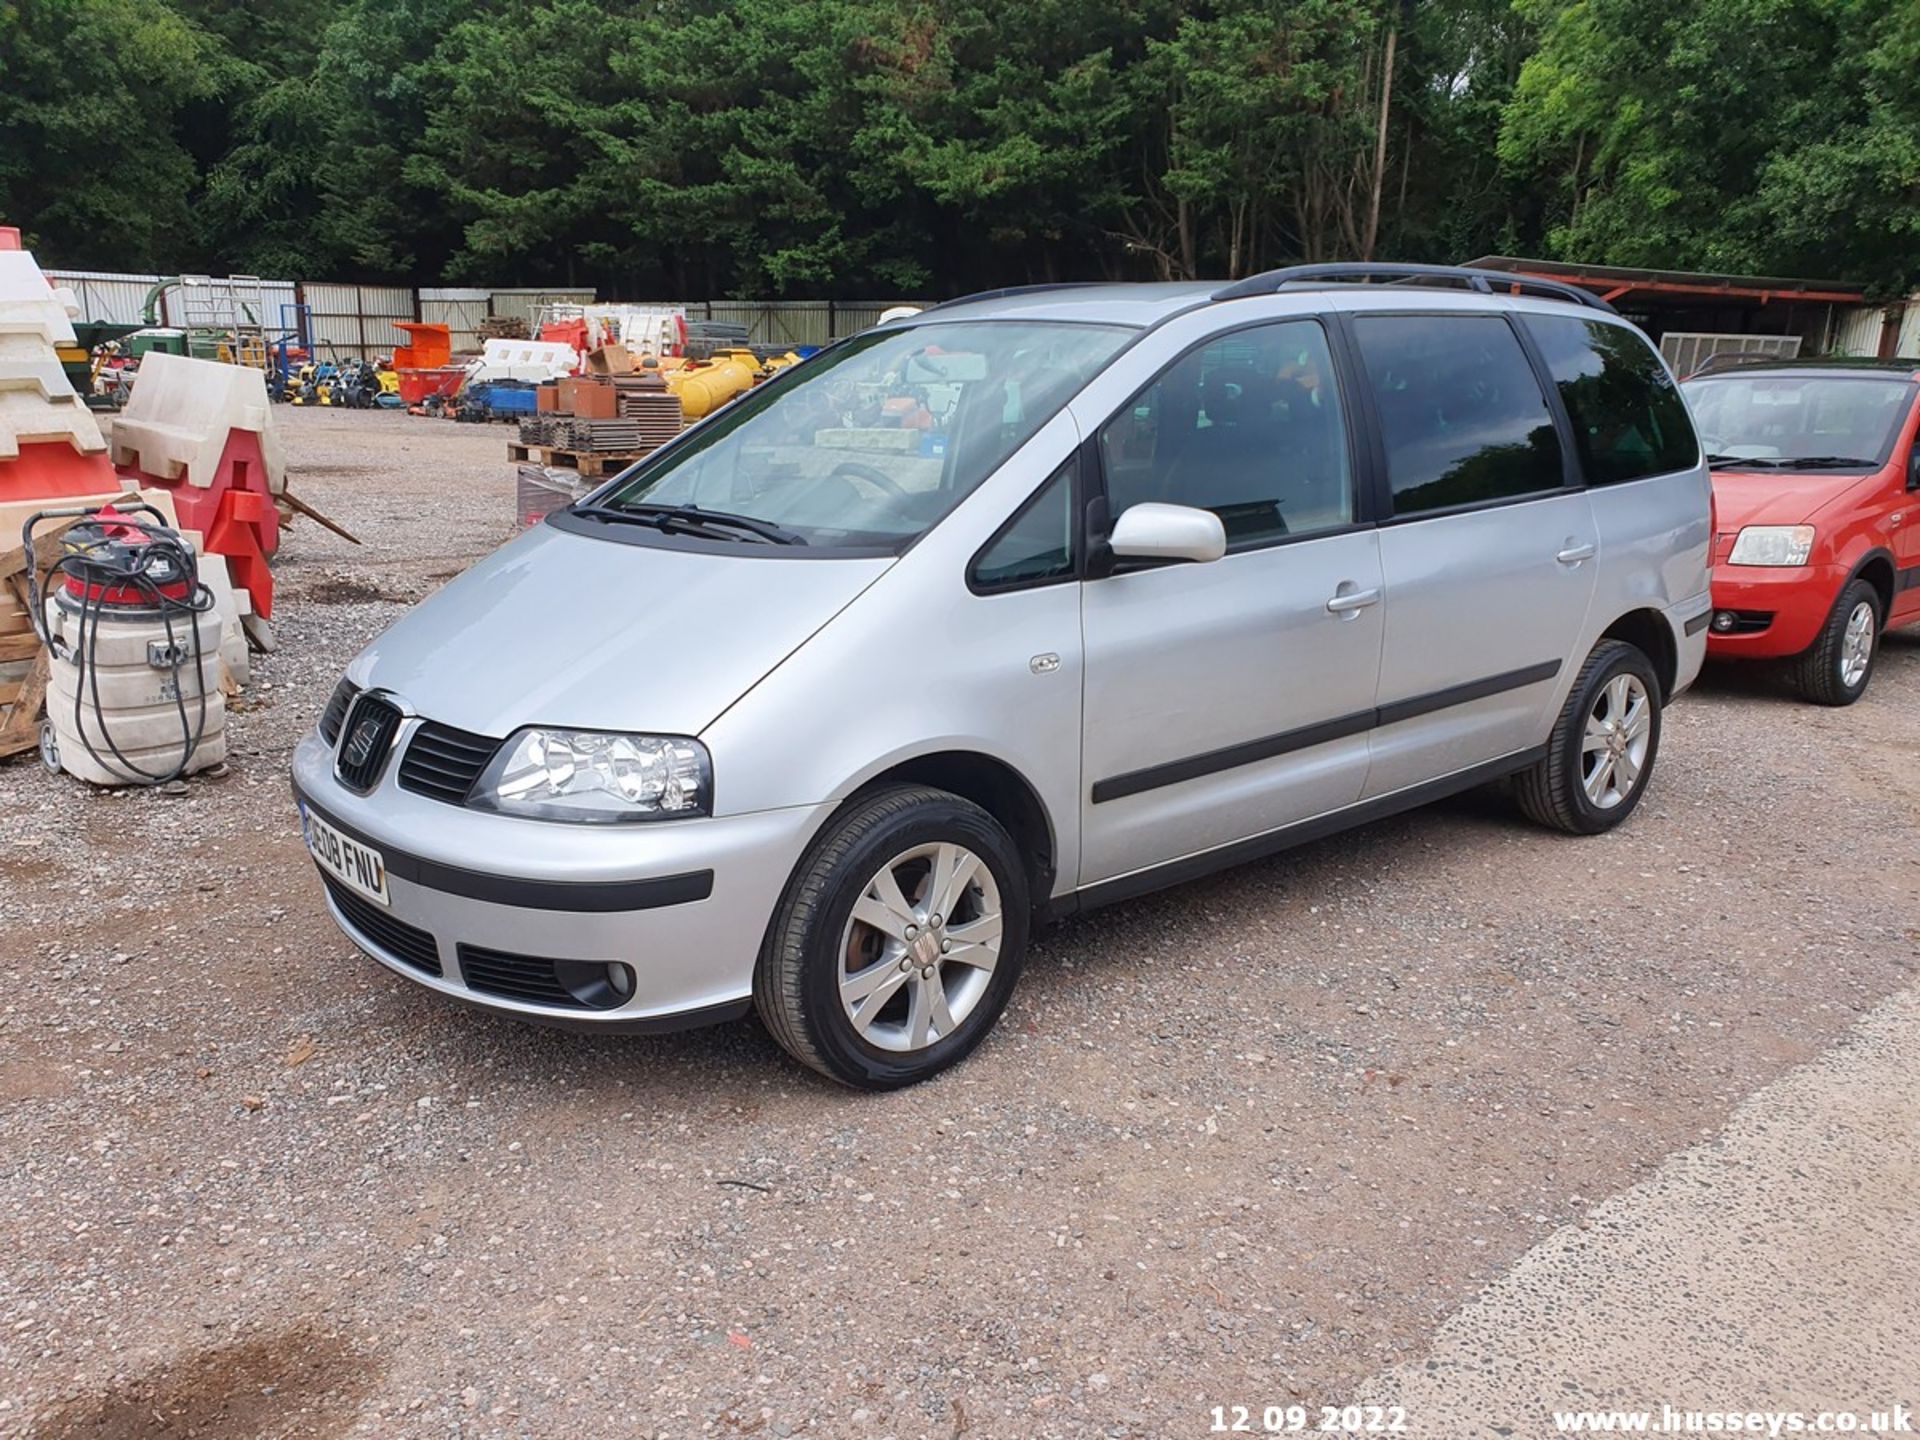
(1723, 620)
(596, 984)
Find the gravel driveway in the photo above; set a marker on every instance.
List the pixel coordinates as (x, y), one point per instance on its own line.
(1247, 1142)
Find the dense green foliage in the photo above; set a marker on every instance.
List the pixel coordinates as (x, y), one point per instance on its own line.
(822, 147)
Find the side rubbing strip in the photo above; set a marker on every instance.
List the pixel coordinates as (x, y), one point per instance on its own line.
(1233, 756)
(1462, 694)
(1251, 752)
(1699, 622)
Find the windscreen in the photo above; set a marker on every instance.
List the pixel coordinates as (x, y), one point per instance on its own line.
(1826, 419)
(870, 443)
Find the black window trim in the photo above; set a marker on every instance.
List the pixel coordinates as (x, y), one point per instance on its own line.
(1564, 417)
(1094, 468)
(1572, 478)
(1076, 527)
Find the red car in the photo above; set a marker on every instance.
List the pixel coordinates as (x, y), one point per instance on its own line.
(1816, 495)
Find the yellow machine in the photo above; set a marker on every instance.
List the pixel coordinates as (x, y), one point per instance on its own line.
(704, 386)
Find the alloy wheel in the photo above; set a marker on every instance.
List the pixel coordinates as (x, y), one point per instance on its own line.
(920, 947)
(1856, 646)
(1619, 730)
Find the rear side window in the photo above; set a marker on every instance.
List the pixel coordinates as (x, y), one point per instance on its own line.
(1463, 417)
(1628, 418)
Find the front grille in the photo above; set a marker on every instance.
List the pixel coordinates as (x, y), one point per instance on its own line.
(396, 937)
(367, 739)
(518, 977)
(336, 711)
(443, 762)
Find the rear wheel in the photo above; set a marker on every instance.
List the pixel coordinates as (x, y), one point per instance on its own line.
(1603, 746)
(1835, 669)
(898, 941)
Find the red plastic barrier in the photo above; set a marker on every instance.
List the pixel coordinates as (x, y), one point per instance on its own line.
(235, 514)
(52, 470)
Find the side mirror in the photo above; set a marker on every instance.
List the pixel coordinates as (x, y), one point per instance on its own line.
(1152, 531)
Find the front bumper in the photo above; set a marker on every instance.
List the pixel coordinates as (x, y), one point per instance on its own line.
(1798, 600)
(683, 903)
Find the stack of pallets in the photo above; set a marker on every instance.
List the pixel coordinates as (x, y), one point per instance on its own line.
(654, 411)
(587, 436)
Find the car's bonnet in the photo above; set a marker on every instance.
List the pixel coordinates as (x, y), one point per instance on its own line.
(1772, 497)
(560, 629)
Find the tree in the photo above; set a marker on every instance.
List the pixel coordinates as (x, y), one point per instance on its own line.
(1759, 135)
(92, 97)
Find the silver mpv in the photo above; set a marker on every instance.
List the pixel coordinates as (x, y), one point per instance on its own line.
(1031, 602)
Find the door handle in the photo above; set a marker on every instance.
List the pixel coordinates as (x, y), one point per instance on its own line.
(1574, 554)
(1346, 602)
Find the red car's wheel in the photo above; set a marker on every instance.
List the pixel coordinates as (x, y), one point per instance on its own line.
(1835, 669)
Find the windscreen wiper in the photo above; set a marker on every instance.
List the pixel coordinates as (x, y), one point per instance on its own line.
(691, 519)
(1789, 462)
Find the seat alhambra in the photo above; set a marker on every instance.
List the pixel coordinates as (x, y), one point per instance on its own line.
(1024, 604)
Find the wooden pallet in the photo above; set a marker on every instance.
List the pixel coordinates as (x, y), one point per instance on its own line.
(23, 663)
(592, 464)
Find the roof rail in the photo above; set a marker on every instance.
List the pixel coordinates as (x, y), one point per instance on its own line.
(1007, 290)
(1486, 282)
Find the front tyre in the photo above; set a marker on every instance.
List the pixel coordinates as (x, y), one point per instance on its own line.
(898, 940)
(1836, 667)
(1603, 746)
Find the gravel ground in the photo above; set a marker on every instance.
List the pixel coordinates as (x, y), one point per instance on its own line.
(1247, 1142)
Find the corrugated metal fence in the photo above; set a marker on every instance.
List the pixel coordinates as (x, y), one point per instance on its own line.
(798, 322)
(351, 319)
(1864, 331)
(461, 311)
(357, 320)
(526, 302)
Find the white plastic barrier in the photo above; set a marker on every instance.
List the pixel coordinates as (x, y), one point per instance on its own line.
(28, 305)
(179, 414)
(537, 361)
(37, 404)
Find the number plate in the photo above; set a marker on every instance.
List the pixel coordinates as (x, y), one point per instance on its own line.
(359, 867)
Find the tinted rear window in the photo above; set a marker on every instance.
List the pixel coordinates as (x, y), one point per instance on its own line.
(1628, 418)
(1462, 415)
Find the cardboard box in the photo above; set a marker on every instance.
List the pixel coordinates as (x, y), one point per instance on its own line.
(546, 399)
(610, 360)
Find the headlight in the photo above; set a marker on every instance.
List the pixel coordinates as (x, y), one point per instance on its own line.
(597, 778)
(1772, 545)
